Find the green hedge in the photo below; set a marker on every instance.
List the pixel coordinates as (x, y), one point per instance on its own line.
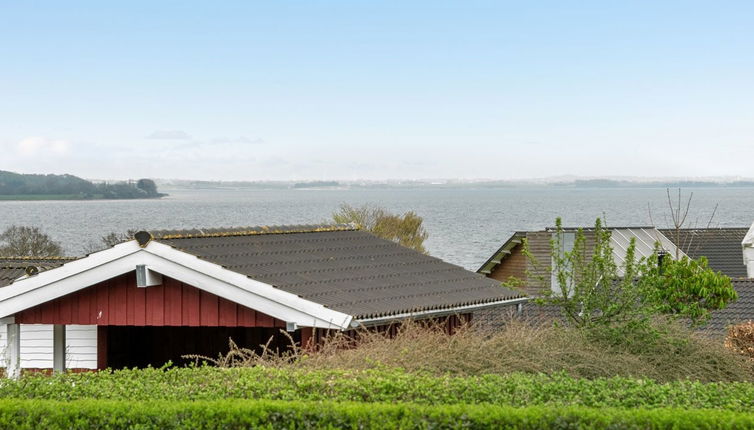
(237, 414)
(385, 385)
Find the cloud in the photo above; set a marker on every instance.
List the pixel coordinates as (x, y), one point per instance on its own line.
(169, 135)
(38, 145)
(240, 139)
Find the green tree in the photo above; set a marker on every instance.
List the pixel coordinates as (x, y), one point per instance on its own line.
(406, 229)
(591, 289)
(148, 186)
(22, 241)
(686, 288)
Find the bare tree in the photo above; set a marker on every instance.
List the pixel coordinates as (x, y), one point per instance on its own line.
(108, 241)
(23, 241)
(679, 212)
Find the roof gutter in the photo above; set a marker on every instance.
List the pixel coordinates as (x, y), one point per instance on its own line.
(370, 322)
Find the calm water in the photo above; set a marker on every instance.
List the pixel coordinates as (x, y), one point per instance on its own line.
(465, 225)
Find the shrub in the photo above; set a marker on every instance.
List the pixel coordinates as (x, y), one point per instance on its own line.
(290, 415)
(740, 338)
(378, 385)
(665, 351)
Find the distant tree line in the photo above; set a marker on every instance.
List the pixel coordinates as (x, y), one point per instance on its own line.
(16, 184)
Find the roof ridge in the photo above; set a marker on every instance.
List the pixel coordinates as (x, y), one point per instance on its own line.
(250, 231)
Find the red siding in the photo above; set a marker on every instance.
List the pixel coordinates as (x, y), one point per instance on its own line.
(120, 302)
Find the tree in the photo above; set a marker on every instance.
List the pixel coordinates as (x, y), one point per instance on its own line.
(108, 241)
(591, 290)
(589, 287)
(22, 241)
(148, 186)
(686, 288)
(679, 212)
(406, 229)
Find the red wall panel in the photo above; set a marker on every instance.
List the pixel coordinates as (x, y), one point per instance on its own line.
(120, 302)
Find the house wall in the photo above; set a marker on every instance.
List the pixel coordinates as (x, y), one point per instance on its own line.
(513, 266)
(120, 302)
(517, 265)
(36, 346)
(539, 246)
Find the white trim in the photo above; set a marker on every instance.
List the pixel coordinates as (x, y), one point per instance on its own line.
(168, 261)
(13, 366)
(435, 313)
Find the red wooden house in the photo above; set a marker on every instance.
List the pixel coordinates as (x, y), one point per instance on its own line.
(166, 294)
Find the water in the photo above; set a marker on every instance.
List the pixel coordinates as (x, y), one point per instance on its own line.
(465, 225)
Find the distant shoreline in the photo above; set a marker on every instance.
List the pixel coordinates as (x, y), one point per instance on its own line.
(345, 185)
(65, 197)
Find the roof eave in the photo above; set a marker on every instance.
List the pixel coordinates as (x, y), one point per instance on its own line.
(432, 313)
(497, 258)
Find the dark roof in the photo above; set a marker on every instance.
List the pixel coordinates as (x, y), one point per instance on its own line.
(12, 268)
(345, 269)
(737, 312)
(721, 246)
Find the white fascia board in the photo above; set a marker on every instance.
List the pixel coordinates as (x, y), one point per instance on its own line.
(84, 270)
(243, 290)
(123, 258)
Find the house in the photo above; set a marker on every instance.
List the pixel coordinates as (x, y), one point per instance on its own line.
(170, 293)
(509, 261)
(728, 250)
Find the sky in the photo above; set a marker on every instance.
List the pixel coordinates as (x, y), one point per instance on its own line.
(292, 90)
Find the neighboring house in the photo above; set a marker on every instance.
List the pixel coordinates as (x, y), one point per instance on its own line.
(509, 261)
(728, 250)
(171, 293)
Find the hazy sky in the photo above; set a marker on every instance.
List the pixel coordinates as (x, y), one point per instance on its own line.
(377, 89)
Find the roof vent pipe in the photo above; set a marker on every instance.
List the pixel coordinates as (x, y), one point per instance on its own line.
(748, 251)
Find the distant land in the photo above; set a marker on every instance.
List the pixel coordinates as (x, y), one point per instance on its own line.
(561, 182)
(18, 186)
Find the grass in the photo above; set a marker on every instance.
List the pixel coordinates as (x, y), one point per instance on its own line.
(669, 352)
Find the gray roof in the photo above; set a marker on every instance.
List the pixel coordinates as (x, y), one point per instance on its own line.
(737, 312)
(721, 246)
(12, 268)
(343, 268)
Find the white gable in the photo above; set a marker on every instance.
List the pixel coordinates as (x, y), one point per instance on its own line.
(165, 260)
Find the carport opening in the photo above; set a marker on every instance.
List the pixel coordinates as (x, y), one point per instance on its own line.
(129, 346)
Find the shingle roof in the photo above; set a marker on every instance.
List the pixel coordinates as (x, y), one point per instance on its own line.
(721, 246)
(345, 269)
(737, 312)
(12, 268)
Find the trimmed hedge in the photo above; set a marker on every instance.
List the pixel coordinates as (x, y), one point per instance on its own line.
(384, 385)
(236, 414)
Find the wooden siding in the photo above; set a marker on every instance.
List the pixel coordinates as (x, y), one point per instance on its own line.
(120, 302)
(512, 266)
(36, 346)
(539, 246)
